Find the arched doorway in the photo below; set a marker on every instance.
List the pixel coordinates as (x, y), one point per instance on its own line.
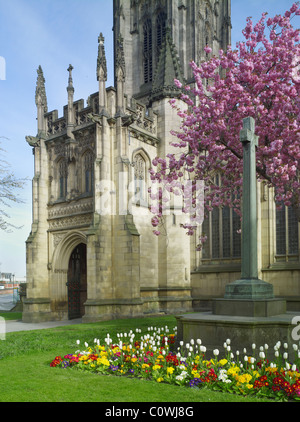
(77, 282)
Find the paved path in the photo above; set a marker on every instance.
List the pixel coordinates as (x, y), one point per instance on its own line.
(11, 326)
(6, 304)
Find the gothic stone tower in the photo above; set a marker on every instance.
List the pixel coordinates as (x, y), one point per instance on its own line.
(91, 252)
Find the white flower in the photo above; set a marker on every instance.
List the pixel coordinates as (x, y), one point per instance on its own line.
(285, 355)
(228, 341)
(78, 341)
(287, 366)
(202, 349)
(228, 348)
(295, 347)
(181, 343)
(179, 378)
(237, 353)
(262, 355)
(261, 348)
(253, 346)
(199, 341)
(86, 344)
(285, 345)
(187, 345)
(183, 373)
(244, 351)
(266, 347)
(192, 341)
(276, 353)
(246, 358)
(216, 352)
(252, 360)
(294, 367)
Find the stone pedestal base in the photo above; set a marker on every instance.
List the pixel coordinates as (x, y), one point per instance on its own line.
(249, 289)
(214, 330)
(251, 308)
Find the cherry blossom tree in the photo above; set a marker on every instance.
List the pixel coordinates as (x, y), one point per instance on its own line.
(261, 79)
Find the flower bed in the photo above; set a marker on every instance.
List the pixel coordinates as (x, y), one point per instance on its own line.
(153, 356)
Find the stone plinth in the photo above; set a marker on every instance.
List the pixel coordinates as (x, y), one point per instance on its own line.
(249, 289)
(247, 307)
(214, 330)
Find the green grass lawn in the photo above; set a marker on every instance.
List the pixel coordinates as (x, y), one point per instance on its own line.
(25, 374)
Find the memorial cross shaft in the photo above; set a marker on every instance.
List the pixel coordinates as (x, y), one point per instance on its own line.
(249, 204)
(249, 286)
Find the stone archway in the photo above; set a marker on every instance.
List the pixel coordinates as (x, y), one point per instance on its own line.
(68, 268)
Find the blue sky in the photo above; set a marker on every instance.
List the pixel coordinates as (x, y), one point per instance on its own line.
(54, 34)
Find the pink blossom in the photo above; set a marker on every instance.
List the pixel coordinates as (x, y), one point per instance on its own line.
(260, 81)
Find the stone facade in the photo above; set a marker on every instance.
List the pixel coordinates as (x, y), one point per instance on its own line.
(91, 251)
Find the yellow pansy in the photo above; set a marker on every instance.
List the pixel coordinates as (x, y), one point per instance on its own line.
(195, 374)
(269, 369)
(233, 370)
(223, 362)
(103, 361)
(145, 366)
(159, 379)
(245, 378)
(156, 367)
(170, 370)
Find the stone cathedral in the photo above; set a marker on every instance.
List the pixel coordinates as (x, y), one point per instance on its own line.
(91, 252)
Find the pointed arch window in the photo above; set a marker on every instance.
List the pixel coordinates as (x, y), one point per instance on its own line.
(88, 161)
(140, 188)
(63, 178)
(287, 234)
(147, 34)
(160, 30)
(222, 226)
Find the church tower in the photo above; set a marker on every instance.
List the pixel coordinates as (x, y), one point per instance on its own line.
(91, 252)
(192, 24)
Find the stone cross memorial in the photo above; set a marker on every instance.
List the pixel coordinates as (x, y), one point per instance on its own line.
(248, 313)
(249, 287)
(249, 295)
